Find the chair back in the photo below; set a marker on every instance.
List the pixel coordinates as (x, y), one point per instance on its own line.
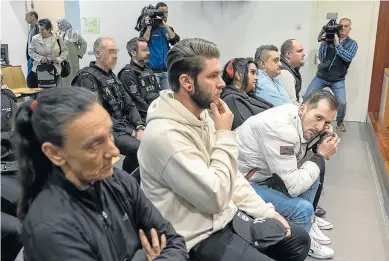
(13, 76)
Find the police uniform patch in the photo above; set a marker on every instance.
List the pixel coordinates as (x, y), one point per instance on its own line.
(133, 88)
(287, 150)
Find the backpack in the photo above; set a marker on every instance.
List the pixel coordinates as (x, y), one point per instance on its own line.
(8, 110)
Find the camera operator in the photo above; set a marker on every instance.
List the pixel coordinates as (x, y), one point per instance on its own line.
(138, 79)
(335, 58)
(160, 38)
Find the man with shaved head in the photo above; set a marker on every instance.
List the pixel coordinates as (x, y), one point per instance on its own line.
(98, 77)
(292, 58)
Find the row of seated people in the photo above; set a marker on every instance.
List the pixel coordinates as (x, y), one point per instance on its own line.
(247, 81)
(196, 199)
(128, 95)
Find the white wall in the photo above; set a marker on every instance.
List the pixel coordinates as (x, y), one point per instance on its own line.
(52, 9)
(364, 16)
(238, 28)
(14, 31)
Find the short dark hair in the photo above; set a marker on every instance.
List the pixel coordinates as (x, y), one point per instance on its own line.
(46, 23)
(133, 43)
(262, 52)
(160, 4)
(187, 57)
(34, 13)
(39, 123)
(314, 98)
(287, 46)
(240, 65)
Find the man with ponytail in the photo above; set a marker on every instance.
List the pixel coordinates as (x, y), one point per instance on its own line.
(74, 204)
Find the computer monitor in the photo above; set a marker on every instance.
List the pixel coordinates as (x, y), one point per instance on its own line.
(4, 54)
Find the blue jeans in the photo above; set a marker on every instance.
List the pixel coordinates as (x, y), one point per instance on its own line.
(29, 65)
(162, 80)
(339, 90)
(298, 210)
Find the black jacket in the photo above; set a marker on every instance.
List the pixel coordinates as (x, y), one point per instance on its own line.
(334, 68)
(242, 105)
(296, 74)
(34, 29)
(141, 84)
(101, 222)
(112, 96)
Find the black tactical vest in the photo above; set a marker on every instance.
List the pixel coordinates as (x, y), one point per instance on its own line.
(110, 91)
(147, 84)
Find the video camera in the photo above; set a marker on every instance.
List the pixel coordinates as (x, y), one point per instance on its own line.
(330, 29)
(154, 14)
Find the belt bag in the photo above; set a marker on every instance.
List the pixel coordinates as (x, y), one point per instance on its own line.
(261, 233)
(276, 183)
(47, 75)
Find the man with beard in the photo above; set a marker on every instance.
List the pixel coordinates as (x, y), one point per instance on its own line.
(188, 167)
(292, 58)
(128, 126)
(271, 144)
(138, 79)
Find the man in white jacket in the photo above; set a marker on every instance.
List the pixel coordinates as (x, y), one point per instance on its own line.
(188, 167)
(270, 146)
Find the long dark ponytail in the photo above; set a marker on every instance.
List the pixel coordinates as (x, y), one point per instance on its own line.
(42, 121)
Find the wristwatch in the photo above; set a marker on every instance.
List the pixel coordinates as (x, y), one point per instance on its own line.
(140, 127)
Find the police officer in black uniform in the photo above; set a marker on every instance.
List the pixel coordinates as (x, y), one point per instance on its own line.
(128, 126)
(138, 79)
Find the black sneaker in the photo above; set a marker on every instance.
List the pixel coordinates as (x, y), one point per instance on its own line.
(341, 127)
(320, 212)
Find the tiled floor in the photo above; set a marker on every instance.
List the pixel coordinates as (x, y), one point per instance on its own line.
(354, 202)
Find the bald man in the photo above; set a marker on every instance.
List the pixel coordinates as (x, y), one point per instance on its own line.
(98, 77)
(292, 58)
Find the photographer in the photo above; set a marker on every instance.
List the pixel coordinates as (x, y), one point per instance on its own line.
(335, 58)
(160, 38)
